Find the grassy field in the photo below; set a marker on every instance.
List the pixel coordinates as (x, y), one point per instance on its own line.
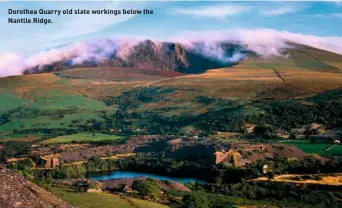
(336, 150)
(82, 137)
(103, 200)
(9, 101)
(308, 147)
(144, 203)
(334, 180)
(313, 148)
(46, 101)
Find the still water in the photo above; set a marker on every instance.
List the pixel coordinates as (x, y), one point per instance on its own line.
(128, 174)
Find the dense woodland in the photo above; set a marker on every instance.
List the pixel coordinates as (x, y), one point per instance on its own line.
(228, 116)
(279, 114)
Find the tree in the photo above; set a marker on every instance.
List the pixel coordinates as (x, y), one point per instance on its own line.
(260, 131)
(250, 194)
(195, 200)
(292, 136)
(218, 180)
(146, 188)
(270, 175)
(26, 164)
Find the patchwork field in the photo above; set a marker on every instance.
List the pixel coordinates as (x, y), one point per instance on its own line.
(45, 102)
(83, 137)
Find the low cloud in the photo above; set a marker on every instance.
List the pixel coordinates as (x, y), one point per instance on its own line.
(265, 42)
(215, 51)
(10, 64)
(97, 50)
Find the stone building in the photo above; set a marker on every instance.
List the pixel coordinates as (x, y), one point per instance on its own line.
(51, 161)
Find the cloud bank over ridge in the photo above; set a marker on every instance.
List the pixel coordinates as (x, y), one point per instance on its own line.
(265, 42)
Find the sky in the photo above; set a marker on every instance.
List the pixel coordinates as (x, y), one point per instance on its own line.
(318, 24)
(169, 19)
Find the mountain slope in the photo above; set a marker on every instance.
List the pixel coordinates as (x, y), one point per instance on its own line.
(196, 58)
(66, 101)
(149, 55)
(315, 59)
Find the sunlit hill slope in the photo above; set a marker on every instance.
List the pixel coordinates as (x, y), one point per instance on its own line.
(148, 97)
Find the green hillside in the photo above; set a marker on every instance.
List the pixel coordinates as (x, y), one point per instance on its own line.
(39, 103)
(82, 137)
(95, 99)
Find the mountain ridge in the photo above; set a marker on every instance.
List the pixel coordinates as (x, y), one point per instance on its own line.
(195, 59)
(164, 56)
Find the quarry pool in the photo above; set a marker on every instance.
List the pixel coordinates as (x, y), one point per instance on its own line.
(129, 174)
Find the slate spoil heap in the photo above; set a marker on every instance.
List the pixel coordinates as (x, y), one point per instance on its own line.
(16, 192)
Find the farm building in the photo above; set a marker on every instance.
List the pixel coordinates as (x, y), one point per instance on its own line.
(50, 161)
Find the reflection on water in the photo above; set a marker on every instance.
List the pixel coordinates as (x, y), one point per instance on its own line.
(128, 174)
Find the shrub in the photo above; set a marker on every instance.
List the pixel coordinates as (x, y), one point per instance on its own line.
(195, 200)
(292, 137)
(167, 182)
(270, 174)
(146, 188)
